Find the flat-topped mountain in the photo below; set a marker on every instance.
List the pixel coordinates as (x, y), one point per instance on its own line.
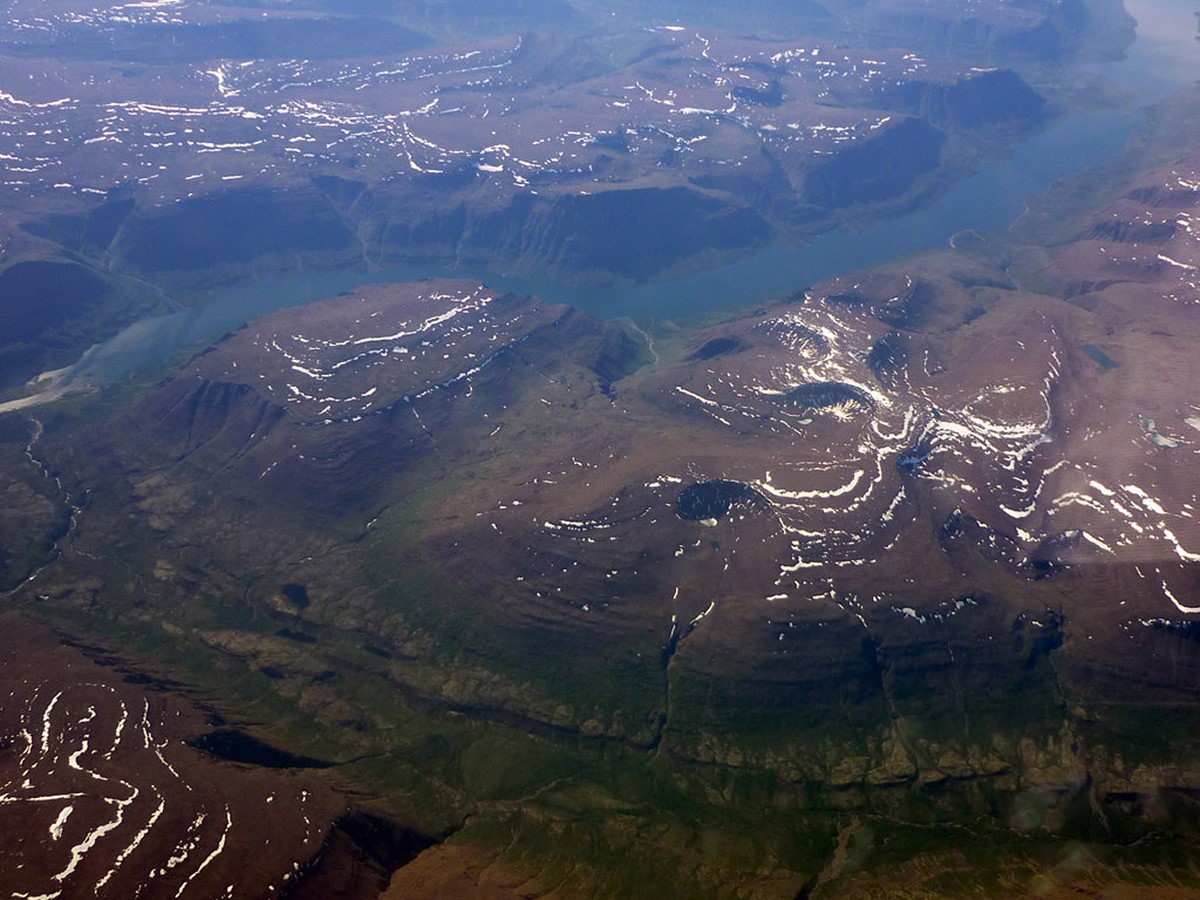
(928, 526)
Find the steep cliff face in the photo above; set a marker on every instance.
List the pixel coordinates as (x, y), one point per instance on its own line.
(993, 97)
(876, 170)
(41, 304)
(1032, 28)
(632, 232)
(233, 229)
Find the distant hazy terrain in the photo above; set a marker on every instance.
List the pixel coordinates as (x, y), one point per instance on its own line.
(183, 144)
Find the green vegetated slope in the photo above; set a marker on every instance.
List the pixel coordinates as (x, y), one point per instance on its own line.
(366, 592)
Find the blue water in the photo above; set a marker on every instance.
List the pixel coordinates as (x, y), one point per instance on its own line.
(990, 199)
(1163, 57)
